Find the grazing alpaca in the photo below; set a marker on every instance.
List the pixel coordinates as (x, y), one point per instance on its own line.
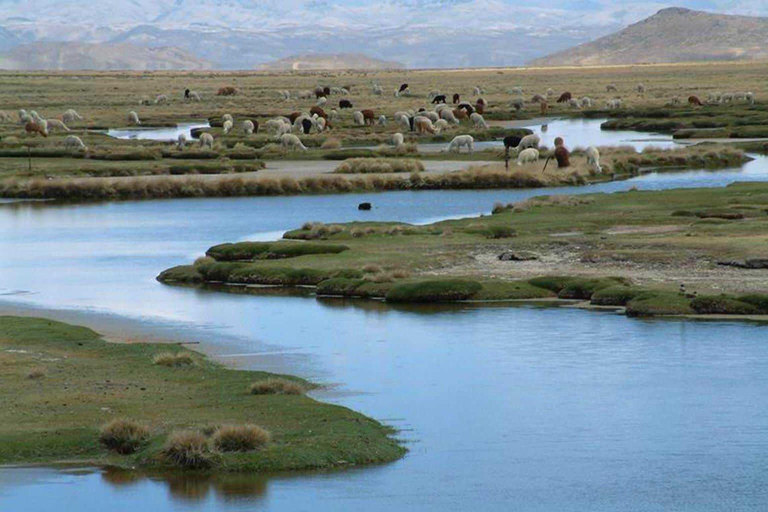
(227, 126)
(527, 156)
(319, 112)
(55, 124)
(611, 88)
(33, 128)
(226, 91)
(306, 125)
(423, 125)
(694, 100)
(538, 98)
(397, 140)
(565, 97)
(345, 104)
(357, 118)
(133, 118)
(291, 141)
(562, 155)
(74, 142)
(529, 141)
(70, 116)
(466, 106)
(449, 116)
(293, 116)
(369, 116)
(512, 141)
(459, 142)
(248, 127)
(206, 141)
(478, 121)
(382, 120)
(440, 98)
(593, 160)
(456, 98)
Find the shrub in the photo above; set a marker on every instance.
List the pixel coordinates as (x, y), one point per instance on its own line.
(277, 386)
(501, 231)
(270, 250)
(615, 295)
(123, 436)
(370, 268)
(240, 438)
(331, 143)
(172, 359)
(36, 373)
(338, 286)
(434, 291)
(188, 450)
(722, 305)
(758, 300)
(379, 165)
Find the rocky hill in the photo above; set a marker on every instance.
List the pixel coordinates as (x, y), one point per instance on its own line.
(672, 35)
(85, 56)
(329, 62)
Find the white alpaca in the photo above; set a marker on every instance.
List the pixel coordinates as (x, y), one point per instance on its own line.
(133, 118)
(161, 98)
(343, 91)
(322, 100)
(398, 139)
(333, 116)
(181, 141)
(286, 95)
(74, 142)
(550, 92)
(227, 117)
(305, 95)
(459, 142)
(357, 118)
(442, 125)
(403, 121)
(24, 116)
(433, 116)
(527, 156)
(291, 141)
(320, 123)
(195, 96)
(71, 116)
(449, 116)
(750, 98)
(4, 117)
(611, 88)
(585, 102)
(55, 124)
(478, 121)
(378, 90)
(227, 126)
(382, 121)
(593, 160)
(206, 140)
(529, 141)
(641, 89)
(516, 90)
(248, 127)
(614, 104)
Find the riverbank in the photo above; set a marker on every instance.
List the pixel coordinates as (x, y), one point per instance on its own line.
(617, 163)
(63, 383)
(674, 252)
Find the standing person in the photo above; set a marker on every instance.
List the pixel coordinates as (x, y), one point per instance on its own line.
(562, 155)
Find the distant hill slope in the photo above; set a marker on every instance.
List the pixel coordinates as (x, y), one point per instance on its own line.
(84, 56)
(329, 62)
(672, 35)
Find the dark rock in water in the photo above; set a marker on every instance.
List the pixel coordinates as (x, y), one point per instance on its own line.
(364, 206)
(517, 256)
(750, 264)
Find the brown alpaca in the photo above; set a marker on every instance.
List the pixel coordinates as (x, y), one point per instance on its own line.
(460, 113)
(368, 116)
(293, 116)
(544, 107)
(423, 125)
(32, 128)
(227, 91)
(694, 100)
(456, 98)
(319, 111)
(562, 155)
(565, 97)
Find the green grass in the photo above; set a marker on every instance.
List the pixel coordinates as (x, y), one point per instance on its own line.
(449, 290)
(89, 382)
(270, 250)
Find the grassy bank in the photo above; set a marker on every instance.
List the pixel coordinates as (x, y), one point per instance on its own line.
(62, 384)
(632, 250)
(617, 163)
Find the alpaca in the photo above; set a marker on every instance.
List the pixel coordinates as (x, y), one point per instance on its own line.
(289, 140)
(459, 142)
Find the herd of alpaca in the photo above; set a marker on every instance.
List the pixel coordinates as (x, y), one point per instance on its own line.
(441, 116)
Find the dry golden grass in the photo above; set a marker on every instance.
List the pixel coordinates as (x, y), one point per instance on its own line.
(188, 450)
(240, 438)
(123, 436)
(173, 360)
(277, 386)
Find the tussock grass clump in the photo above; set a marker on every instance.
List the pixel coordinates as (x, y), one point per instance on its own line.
(124, 436)
(240, 438)
(379, 165)
(722, 305)
(616, 295)
(370, 268)
(331, 143)
(659, 304)
(188, 450)
(500, 231)
(448, 290)
(36, 373)
(277, 386)
(173, 359)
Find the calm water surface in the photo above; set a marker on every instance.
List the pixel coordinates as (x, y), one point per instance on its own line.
(503, 408)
